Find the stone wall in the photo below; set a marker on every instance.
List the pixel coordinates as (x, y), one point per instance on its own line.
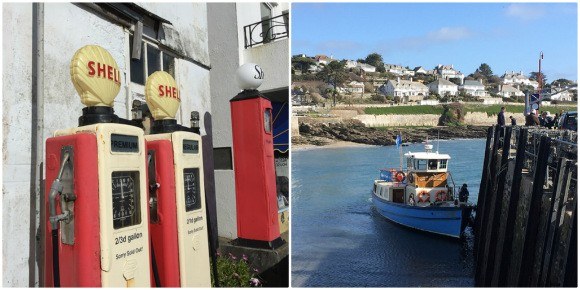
(482, 119)
(471, 118)
(345, 114)
(398, 120)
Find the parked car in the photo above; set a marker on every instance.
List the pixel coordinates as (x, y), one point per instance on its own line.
(569, 120)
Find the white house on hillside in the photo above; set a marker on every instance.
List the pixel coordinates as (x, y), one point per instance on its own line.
(351, 64)
(474, 88)
(403, 88)
(560, 95)
(506, 91)
(394, 69)
(420, 70)
(448, 72)
(353, 87)
(366, 67)
(512, 77)
(408, 72)
(323, 59)
(443, 87)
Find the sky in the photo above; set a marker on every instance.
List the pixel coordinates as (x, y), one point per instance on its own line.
(506, 36)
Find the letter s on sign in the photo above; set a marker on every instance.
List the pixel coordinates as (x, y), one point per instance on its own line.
(160, 90)
(91, 66)
(260, 75)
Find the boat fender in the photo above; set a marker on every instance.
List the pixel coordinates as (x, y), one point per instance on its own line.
(400, 176)
(441, 195)
(411, 199)
(423, 196)
(411, 178)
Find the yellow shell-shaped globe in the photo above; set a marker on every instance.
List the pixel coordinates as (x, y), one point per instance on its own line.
(162, 95)
(95, 75)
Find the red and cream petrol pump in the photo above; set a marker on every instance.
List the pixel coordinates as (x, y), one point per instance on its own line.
(256, 197)
(96, 190)
(178, 225)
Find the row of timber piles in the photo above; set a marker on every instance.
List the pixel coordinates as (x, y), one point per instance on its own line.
(526, 224)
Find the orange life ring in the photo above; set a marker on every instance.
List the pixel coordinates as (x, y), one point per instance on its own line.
(441, 195)
(423, 196)
(400, 176)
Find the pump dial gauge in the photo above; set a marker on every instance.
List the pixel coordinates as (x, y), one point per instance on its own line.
(125, 194)
(191, 189)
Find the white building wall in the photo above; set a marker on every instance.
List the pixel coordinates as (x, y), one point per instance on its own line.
(67, 28)
(224, 52)
(16, 142)
(190, 20)
(274, 61)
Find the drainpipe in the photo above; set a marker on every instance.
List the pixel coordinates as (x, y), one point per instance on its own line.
(37, 139)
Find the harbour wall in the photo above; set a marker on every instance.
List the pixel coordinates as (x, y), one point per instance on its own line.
(526, 225)
(471, 118)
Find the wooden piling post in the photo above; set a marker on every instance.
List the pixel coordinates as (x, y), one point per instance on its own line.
(534, 213)
(496, 205)
(483, 243)
(514, 196)
(482, 187)
(557, 200)
(558, 263)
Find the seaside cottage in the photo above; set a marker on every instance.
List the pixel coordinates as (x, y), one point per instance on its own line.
(448, 72)
(516, 78)
(408, 90)
(506, 91)
(443, 87)
(474, 88)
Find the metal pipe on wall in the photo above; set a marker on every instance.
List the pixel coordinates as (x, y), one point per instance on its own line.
(37, 139)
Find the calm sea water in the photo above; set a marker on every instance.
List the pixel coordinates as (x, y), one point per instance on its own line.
(338, 238)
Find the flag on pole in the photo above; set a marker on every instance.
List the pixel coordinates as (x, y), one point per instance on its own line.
(398, 141)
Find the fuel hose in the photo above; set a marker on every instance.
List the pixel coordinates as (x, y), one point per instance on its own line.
(55, 259)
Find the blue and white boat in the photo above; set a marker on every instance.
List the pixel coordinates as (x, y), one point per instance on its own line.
(422, 195)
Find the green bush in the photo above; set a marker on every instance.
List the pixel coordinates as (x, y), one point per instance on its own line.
(235, 272)
(452, 115)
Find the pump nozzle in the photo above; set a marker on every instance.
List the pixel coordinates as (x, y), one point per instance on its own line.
(194, 119)
(137, 111)
(55, 190)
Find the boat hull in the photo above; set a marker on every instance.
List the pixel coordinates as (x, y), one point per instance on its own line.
(439, 220)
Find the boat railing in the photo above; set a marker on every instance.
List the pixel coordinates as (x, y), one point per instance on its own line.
(454, 189)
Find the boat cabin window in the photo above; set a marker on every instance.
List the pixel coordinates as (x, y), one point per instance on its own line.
(443, 164)
(432, 164)
(420, 164)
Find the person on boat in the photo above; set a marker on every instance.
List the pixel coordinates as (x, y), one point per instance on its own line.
(501, 117)
(513, 120)
(463, 193)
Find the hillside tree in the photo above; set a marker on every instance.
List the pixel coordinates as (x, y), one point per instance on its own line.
(376, 60)
(334, 74)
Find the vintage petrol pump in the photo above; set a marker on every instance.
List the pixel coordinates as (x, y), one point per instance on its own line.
(95, 197)
(256, 198)
(178, 225)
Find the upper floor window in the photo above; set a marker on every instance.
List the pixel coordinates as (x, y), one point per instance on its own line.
(152, 59)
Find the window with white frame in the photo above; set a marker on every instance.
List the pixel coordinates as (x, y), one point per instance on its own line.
(152, 59)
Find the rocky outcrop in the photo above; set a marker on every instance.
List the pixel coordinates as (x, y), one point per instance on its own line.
(353, 131)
